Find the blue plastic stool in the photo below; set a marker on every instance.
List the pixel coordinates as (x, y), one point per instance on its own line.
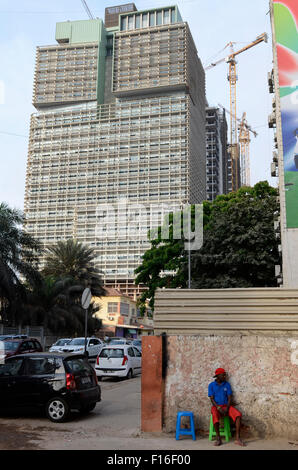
(224, 428)
(185, 432)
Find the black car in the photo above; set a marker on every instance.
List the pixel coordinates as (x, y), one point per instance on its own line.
(56, 382)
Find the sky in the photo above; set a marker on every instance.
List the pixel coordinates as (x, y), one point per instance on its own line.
(26, 24)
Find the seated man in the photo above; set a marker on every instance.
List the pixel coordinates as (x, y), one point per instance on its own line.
(220, 394)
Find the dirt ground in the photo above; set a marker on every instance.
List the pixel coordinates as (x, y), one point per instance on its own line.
(113, 425)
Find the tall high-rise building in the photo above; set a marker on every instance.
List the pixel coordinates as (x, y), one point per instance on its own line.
(120, 117)
(217, 168)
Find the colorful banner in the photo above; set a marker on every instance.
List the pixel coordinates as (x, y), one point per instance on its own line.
(286, 37)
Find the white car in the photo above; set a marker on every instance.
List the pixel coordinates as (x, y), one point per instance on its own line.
(77, 345)
(121, 360)
(58, 346)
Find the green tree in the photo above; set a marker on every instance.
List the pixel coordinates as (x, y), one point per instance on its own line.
(71, 259)
(56, 305)
(19, 254)
(239, 248)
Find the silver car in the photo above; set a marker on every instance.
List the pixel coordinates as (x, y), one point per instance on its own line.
(58, 346)
(77, 345)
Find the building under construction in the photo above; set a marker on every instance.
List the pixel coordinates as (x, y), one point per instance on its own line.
(218, 175)
(120, 117)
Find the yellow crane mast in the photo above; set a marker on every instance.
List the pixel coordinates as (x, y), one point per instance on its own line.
(232, 78)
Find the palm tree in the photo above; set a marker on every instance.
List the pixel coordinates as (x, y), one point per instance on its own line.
(71, 259)
(55, 304)
(18, 259)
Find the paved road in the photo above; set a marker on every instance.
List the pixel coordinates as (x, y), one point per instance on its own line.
(113, 425)
(117, 415)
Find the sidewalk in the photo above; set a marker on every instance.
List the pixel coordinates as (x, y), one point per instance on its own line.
(135, 440)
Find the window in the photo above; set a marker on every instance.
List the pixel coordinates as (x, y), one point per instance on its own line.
(112, 352)
(166, 16)
(137, 352)
(79, 365)
(152, 19)
(130, 22)
(137, 21)
(159, 18)
(37, 344)
(11, 368)
(145, 20)
(130, 352)
(112, 307)
(10, 345)
(123, 23)
(26, 346)
(94, 342)
(172, 15)
(41, 366)
(124, 308)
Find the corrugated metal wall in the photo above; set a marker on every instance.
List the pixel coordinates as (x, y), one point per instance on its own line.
(226, 311)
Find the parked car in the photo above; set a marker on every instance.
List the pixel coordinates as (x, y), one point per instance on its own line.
(4, 337)
(114, 338)
(122, 360)
(12, 347)
(77, 345)
(119, 341)
(137, 343)
(55, 382)
(58, 346)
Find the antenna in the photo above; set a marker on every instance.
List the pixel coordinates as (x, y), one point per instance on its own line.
(87, 10)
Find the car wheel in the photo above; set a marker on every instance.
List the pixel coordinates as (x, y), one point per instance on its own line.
(57, 410)
(129, 374)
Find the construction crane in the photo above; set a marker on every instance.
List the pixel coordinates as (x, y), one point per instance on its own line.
(232, 78)
(87, 10)
(244, 141)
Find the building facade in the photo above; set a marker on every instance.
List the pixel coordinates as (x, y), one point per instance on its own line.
(120, 124)
(120, 315)
(217, 167)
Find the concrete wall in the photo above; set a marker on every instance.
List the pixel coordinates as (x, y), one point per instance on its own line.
(252, 333)
(262, 370)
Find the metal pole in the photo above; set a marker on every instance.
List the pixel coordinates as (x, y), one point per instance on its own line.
(86, 319)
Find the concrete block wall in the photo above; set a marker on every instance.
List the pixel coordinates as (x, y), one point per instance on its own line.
(262, 370)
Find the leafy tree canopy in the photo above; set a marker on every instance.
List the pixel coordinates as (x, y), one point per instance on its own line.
(19, 254)
(240, 248)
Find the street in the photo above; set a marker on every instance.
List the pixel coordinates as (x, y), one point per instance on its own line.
(118, 414)
(113, 425)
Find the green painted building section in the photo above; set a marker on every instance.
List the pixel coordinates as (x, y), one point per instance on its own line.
(102, 44)
(75, 32)
(82, 32)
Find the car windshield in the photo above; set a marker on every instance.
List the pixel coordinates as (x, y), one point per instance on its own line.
(61, 342)
(112, 352)
(10, 345)
(117, 342)
(79, 365)
(77, 342)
